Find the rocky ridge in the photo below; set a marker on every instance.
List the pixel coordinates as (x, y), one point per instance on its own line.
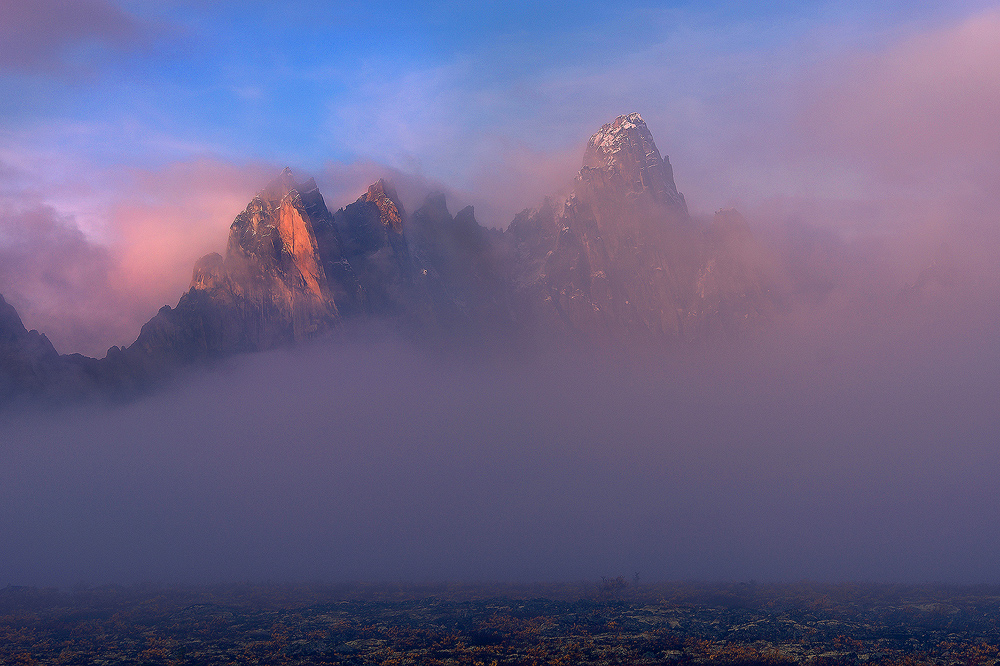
(617, 260)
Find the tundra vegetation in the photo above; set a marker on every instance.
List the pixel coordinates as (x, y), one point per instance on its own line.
(612, 622)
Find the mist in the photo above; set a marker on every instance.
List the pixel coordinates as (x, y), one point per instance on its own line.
(861, 450)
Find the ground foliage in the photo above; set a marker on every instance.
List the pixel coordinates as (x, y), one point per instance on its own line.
(614, 621)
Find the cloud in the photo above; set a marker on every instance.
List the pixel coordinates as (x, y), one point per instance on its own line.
(501, 144)
(841, 452)
(405, 118)
(89, 286)
(43, 36)
(162, 220)
(56, 278)
(498, 119)
(896, 146)
(922, 112)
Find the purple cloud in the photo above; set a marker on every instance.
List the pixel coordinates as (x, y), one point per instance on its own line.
(40, 35)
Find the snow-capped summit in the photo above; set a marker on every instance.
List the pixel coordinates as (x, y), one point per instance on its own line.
(625, 147)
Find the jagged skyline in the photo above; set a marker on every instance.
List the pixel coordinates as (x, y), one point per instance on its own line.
(616, 262)
(135, 131)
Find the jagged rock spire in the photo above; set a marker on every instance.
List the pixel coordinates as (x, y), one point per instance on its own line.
(625, 147)
(383, 195)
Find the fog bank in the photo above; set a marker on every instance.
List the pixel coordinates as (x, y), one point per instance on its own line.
(865, 452)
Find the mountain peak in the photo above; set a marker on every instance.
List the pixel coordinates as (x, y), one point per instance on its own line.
(611, 135)
(283, 183)
(274, 260)
(383, 195)
(625, 147)
(626, 133)
(11, 325)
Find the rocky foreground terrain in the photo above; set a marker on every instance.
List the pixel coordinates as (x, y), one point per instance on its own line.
(612, 622)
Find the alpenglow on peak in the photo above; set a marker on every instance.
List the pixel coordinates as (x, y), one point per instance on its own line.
(625, 146)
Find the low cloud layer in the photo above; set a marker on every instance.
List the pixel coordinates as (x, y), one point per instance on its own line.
(856, 452)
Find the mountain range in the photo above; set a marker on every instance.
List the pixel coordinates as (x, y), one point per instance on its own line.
(618, 260)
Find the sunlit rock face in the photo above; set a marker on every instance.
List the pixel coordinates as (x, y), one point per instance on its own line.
(276, 266)
(384, 196)
(283, 279)
(620, 258)
(273, 255)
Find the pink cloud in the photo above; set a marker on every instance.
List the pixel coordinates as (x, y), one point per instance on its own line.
(87, 294)
(164, 219)
(896, 148)
(924, 109)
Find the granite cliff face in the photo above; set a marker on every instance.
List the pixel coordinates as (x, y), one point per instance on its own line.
(376, 250)
(279, 282)
(618, 260)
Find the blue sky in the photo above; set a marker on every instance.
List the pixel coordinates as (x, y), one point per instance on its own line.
(411, 84)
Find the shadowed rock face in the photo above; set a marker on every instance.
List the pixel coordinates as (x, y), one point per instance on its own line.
(376, 249)
(26, 356)
(461, 278)
(430, 274)
(30, 367)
